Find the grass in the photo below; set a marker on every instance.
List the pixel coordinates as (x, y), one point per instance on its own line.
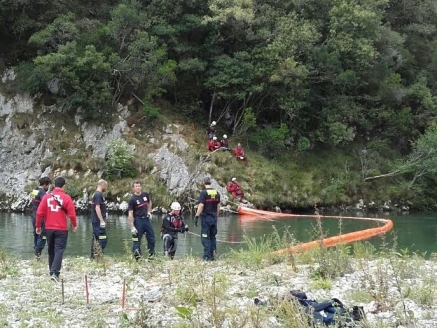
(8, 265)
(294, 179)
(201, 294)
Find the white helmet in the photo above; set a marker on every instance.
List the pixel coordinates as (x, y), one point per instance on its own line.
(175, 206)
(225, 136)
(213, 123)
(214, 138)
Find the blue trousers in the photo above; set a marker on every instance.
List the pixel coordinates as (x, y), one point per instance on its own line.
(99, 238)
(208, 231)
(39, 241)
(56, 244)
(143, 226)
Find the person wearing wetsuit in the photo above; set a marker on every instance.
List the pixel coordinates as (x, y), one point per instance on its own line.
(172, 224)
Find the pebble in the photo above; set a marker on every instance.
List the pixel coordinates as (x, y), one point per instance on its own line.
(152, 291)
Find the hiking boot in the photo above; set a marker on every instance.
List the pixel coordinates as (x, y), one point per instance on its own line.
(38, 257)
(54, 277)
(137, 254)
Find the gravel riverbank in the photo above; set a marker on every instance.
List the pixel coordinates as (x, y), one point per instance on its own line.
(394, 292)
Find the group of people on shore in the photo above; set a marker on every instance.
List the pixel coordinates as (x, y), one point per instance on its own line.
(51, 209)
(223, 144)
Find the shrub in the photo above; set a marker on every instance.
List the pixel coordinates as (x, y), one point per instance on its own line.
(119, 161)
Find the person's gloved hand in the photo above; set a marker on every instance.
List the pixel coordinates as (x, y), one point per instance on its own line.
(134, 230)
(196, 219)
(102, 224)
(149, 215)
(186, 228)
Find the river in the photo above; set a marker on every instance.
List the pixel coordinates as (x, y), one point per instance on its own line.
(417, 232)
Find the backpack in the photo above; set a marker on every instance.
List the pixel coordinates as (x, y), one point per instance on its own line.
(329, 312)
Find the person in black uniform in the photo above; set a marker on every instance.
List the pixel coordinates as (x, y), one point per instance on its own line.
(139, 219)
(208, 210)
(172, 223)
(39, 240)
(98, 219)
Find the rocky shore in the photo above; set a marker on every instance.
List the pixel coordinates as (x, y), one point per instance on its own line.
(394, 292)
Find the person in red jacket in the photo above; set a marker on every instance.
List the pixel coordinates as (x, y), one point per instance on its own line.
(213, 144)
(54, 207)
(239, 153)
(234, 188)
(224, 143)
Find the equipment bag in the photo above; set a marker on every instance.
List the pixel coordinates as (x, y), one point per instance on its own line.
(328, 312)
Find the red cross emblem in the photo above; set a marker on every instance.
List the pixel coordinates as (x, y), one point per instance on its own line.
(53, 204)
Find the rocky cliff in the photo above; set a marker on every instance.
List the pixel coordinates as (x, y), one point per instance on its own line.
(37, 140)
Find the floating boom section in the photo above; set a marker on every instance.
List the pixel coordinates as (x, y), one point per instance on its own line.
(326, 242)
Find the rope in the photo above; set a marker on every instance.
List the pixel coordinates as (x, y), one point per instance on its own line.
(220, 241)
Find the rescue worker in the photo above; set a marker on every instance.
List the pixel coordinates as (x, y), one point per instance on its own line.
(213, 144)
(139, 207)
(54, 208)
(234, 188)
(39, 240)
(224, 143)
(172, 224)
(210, 130)
(98, 219)
(208, 210)
(239, 153)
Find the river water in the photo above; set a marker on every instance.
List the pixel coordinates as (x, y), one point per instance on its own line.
(417, 232)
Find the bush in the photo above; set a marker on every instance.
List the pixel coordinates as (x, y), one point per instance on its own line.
(271, 140)
(119, 161)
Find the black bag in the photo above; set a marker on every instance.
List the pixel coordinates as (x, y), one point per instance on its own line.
(329, 312)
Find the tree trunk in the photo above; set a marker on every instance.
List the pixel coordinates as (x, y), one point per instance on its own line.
(391, 174)
(211, 107)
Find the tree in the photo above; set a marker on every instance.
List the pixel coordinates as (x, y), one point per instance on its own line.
(60, 32)
(422, 160)
(232, 80)
(82, 77)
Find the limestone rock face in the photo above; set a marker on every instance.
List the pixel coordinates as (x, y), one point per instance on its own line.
(20, 153)
(26, 150)
(171, 167)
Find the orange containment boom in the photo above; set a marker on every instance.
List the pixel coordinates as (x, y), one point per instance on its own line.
(327, 242)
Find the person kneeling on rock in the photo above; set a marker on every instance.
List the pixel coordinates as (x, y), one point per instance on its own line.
(172, 224)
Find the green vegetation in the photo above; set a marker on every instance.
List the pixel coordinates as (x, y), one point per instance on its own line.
(8, 265)
(119, 163)
(328, 97)
(199, 294)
